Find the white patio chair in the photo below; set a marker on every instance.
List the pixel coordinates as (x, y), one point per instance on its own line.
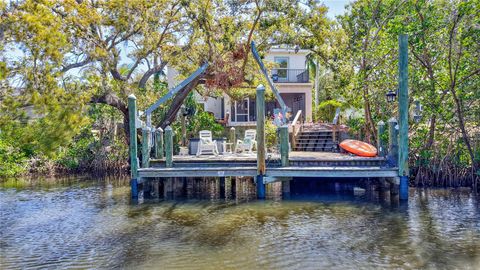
(206, 144)
(248, 142)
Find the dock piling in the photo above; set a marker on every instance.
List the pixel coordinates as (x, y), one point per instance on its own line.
(233, 140)
(284, 145)
(380, 143)
(168, 147)
(392, 142)
(261, 151)
(145, 147)
(132, 116)
(403, 115)
(159, 143)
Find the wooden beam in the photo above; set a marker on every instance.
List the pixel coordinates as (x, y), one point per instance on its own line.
(198, 172)
(317, 172)
(332, 172)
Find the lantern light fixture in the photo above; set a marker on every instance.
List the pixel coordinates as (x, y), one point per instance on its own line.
(391, 96)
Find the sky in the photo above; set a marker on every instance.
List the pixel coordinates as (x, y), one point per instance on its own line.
(335, 7)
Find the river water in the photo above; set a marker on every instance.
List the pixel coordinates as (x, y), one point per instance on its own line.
(82, 223)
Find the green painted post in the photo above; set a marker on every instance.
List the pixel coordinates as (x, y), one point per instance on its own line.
(380, 144)
(132, 116)
(261, 152)
(283, 131)
(183, 121)
(403, 115)
(159, 143)
(168, 147)
(233, 139)
(145, 147)
(392, 142)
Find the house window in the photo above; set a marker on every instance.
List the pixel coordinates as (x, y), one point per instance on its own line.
(282, 66)
(243, 110)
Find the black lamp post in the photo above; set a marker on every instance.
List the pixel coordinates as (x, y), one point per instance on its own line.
(391, 96)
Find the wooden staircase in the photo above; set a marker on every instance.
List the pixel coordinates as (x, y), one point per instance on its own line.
(317, 138)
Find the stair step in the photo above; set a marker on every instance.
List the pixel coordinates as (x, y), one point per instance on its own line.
(315, 142)
(314, 139)
(317, 132)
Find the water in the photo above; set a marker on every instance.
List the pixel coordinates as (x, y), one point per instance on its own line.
(92, 224)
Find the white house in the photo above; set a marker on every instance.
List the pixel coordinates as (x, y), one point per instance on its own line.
(290, 77)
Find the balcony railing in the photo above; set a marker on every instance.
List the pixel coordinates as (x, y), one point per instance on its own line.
(284, 75)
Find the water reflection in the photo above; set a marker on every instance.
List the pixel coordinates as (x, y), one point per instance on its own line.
(92, 224)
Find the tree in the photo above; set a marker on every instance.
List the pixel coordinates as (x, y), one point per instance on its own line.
(103, 51)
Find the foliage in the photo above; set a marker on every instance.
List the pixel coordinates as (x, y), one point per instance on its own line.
(325, 111)
(79, 152)
(271, 134)
(204, 121)
(12, 160)
(70, 56)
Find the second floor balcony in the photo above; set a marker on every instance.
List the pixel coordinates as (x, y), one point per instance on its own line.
(285, 75)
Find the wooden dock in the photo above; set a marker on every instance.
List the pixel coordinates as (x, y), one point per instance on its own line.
(389, 170)
(302, 164)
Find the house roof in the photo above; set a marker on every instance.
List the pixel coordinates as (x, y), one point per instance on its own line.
(288, 49)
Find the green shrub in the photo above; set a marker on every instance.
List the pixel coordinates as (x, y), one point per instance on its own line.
(12, 160)
(271, 134)
(325, 111)
(78, 152)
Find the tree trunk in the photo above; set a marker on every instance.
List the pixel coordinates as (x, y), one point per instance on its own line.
(113, 100)
(369, 125)
(177, 103)
(466, 139)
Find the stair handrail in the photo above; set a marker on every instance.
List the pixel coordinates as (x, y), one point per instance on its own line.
(295, 129)
(335, 123)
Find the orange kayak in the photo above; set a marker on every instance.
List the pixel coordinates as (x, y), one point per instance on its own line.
(359, 148)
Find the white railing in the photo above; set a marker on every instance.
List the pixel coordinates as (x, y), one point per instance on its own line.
(296, 127)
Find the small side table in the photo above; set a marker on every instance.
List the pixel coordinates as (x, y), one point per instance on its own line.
(183, 151)
(227, 147)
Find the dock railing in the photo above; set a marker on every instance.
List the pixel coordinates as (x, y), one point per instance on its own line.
(296, 127)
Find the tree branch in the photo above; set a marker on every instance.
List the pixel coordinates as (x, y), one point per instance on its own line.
(76, 65)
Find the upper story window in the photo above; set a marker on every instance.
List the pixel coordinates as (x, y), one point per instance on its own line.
(282, 64)
(284, 73)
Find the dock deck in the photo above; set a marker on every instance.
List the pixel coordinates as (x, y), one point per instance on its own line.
(301, 164)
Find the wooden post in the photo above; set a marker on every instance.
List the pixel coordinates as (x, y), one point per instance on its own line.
(168, 147)
(394, 190)
(184, 127)
(233, 139)
(159, 143)
(392, 142)
(132, 116)
(261, 153)
(145, 147)
(403, 115)
(284, 147)
(380, 144)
